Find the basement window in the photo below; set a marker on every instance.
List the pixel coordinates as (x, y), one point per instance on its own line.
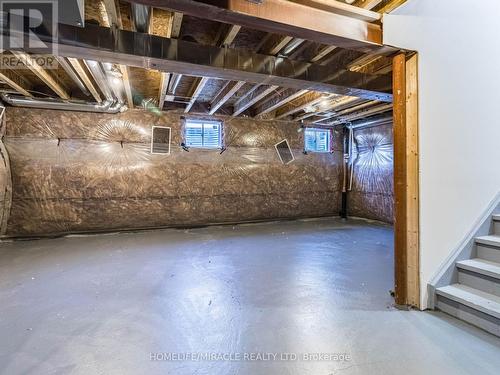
(317, 140)
(203, 134)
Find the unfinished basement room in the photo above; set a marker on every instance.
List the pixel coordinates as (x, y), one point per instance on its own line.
(249, 187)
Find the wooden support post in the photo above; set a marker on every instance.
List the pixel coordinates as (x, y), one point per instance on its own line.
(406, 204)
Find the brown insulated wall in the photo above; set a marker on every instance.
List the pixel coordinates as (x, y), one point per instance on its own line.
(372, 194)
(79, 172)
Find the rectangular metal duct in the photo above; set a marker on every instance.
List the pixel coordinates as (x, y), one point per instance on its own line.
(72, 12)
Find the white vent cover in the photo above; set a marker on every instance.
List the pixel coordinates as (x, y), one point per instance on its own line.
(160, 140)
(284, 152)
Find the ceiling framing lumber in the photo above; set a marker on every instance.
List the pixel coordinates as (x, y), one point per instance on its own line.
(197, 89)
(113, 13)
(42, 74)
(286, 18)
(307, 100)
(367, 4)
(323, 52)
(173, 31)
(126, 85)
(16, 82)
(223, 96)
(85, 78)
(343, 9)
(260, 93)
(172, 55)
(391, 6)
(231, 35)
(286, 96)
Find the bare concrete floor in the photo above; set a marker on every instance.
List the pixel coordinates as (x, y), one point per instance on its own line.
(109, 304)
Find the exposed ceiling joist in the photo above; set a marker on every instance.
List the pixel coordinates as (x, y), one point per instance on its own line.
(391, 6)
(126, 85)
(223, 96)
(322, 53)
(16, 82)
(363, 113)
(286, 18)
(113, 13)
(197, 89)
(286, 96)
(231, 35)
(307, 100)
(164, 83)
(173, 30)
(41, 73)
(260, 93)
(85, 78)
(367, 4)
(343, 9)
(176, 25)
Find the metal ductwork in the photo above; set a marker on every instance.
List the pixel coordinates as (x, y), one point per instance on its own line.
(104, 107)
(141, 15)
(368, 123)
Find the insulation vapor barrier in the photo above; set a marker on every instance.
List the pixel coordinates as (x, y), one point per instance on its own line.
(87, 172)
(372, 194)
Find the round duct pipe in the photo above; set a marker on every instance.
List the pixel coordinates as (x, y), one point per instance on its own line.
(104, 107)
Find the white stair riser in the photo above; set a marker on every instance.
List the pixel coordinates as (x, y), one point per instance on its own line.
(496, 227)
(488, 253)
(480, 282)
(469, 315)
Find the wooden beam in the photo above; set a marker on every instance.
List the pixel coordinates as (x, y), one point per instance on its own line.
(372, 111)
(16, 82)
(285, 18)
(113, 12)
(126, 84)
(227, 92)
(42, 74)
(338, 7)
(198, 88)
(85, 78)
(284, 97)
(260, 93)
(367, 4)
(388, 8)
(307, 100)
(412, 183)
(323, 52)
(176, 25)
(231, 35)
(164, 81)
(406, 224)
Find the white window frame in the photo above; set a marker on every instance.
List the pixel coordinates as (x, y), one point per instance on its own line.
(316, 130)
(201, 121)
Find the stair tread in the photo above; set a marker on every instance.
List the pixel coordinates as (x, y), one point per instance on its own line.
(482, 266)
(474, 298)
(489, 240)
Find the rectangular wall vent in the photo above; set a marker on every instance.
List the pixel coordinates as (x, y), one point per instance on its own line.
(160, 140)
(284, 152)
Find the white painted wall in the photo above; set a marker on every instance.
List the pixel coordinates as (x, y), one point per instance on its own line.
(459, 78)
